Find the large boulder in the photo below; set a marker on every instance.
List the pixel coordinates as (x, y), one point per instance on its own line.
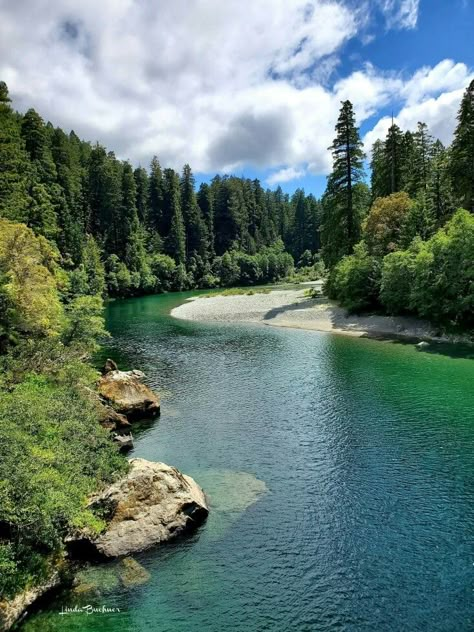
(126, 393)
(152, 504)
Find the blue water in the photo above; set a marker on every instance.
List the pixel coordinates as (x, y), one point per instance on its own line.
(339, 472)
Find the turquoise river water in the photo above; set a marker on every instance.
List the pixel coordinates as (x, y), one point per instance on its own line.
(339, 471)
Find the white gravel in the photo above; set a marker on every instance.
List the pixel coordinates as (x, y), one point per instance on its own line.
(290, 308)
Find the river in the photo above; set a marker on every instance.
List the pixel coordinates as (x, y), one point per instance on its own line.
(340, 474)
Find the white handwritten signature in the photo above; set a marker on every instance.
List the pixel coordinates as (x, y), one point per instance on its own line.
(88, 610)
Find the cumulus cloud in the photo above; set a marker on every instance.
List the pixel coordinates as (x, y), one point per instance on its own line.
(217, 84)
(285, 175)
(432, 96)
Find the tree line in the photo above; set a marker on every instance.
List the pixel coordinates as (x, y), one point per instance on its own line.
(406, 244)
(123, 231)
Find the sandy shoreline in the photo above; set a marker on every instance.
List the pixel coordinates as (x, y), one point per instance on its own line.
(290, 308)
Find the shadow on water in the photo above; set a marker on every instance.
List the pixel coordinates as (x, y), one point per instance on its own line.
(461, 351)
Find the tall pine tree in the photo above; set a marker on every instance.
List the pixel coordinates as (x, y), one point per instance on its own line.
(462, 152)
(341, 220)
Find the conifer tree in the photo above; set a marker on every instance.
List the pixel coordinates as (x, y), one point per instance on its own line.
(300, 227)
(128, 219)
(440, 192)
(176, 246)
(204, 199)
(194, 227)
(142, 201)
(394, 153)
(423, 154)
(156, 199)
(14, 164)
(341, 223)
(378, 166)
(409, 179)
(462, 152)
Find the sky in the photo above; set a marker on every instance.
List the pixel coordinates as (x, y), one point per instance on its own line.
(248, 87)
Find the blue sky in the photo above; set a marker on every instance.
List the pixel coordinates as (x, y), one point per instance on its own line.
(444, 30)
(243, 87)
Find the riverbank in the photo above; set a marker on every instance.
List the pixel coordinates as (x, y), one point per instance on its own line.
(291, 308)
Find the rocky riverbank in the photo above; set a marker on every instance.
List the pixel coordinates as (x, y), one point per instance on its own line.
(152, 504)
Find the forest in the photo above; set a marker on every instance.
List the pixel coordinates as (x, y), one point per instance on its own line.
(122, 231)
(78, 225)
(407, 246)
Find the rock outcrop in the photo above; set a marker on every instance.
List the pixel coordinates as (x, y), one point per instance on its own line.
(124, 441)
(109, 365)
(111, 419)
(14, 609)
(125, 392)
(152, 504)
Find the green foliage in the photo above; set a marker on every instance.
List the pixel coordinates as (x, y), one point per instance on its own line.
(84, 323)
(385, 226)
(93, 266)
(443, 280)
(462, 152)
(176, 240)
(15, 167)
(227, 269)
(355, 280)
(313, 292)
(397, 280)
(434, 279)
(164, 270)
(310, 268)
(29, 286)
(54, 455)
(269, 265)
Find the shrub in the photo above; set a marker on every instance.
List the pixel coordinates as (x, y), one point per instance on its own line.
(355, 280)
(443, 286)
(164, 270)
(397, 281)
(54, 455)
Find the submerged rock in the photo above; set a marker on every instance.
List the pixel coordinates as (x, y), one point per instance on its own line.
(152, 504)
(132, 573)
(126, 393)
(422, 345)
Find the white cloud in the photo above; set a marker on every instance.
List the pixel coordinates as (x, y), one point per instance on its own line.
(285, 175)
(216, 84)
(432, 96)
(400, 14)
(204, 82)
(428, 82)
